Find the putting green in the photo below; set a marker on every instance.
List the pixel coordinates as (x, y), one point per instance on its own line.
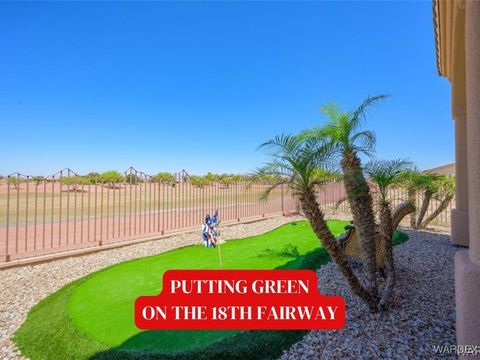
(95, 314)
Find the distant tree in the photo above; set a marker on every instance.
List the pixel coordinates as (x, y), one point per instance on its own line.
(93, 177)
(111, 177)
(132, 179)
(15, 182)
(226, 180)
(263, 178)
(74, 182)
(165, 177)
(328, 175)
(38, 179)
(212, 177)
(237, 178)
(199, 181)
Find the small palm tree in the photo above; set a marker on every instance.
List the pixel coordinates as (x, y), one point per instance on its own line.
(301, 166)
(445, 192)
(385, 174)
(413, 183)
(342, 135)
(425, 183)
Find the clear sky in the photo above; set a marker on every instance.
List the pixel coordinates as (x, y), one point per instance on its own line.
(166, 86)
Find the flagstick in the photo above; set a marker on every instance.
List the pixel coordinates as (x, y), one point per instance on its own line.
(220, 255)
(218, 242)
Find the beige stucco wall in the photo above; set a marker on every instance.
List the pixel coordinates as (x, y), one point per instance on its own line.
(457, 28)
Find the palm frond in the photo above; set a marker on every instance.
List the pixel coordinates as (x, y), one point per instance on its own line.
(265, 194)
(283, 142)
(385, 173)
(446, 185)
(332, 110)
(359, 114)
(316, 132)
(295, 161)
(367, 140)
(340, 202)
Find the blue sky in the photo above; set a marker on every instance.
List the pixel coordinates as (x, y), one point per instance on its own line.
(166, 86)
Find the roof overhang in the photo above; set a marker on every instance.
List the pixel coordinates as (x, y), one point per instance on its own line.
(449, 26)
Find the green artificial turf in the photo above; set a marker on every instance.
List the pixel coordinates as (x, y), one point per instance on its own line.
(88, 318)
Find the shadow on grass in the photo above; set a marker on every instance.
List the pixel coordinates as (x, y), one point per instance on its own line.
(245, 345)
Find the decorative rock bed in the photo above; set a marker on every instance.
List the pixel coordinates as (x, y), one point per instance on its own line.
(421, 316)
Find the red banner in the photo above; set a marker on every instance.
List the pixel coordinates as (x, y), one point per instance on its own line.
(241, 300)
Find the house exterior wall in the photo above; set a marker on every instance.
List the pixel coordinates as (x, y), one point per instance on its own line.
(457, 28)
(447, 169)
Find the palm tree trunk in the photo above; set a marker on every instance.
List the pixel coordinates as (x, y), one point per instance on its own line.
(361, 207)
(412, 197)
(423, 210)
(316, 218)
(386, 233)
(443, 205)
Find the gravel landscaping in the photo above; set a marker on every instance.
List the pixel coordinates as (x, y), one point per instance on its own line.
(23, 287)
(422, 312)
(421, 315)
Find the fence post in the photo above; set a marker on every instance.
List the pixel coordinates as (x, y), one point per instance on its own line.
(283, 203)
(237, 202)
(7, 227)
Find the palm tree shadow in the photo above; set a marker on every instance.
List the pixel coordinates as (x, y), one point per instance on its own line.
(243, 345)
(309, 261)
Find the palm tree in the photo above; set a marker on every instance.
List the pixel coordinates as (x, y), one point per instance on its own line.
(384, 174)
(299, 165)
(342, 136)
(430, 188)
(424, 183)
(445, 194)
(413, 183)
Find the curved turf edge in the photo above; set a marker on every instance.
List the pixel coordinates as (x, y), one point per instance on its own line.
(35, 336)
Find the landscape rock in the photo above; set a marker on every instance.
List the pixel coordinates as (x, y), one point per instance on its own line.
(421, 314)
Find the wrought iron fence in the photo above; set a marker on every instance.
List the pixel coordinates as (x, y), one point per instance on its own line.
(397, 196)
(65, 211)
